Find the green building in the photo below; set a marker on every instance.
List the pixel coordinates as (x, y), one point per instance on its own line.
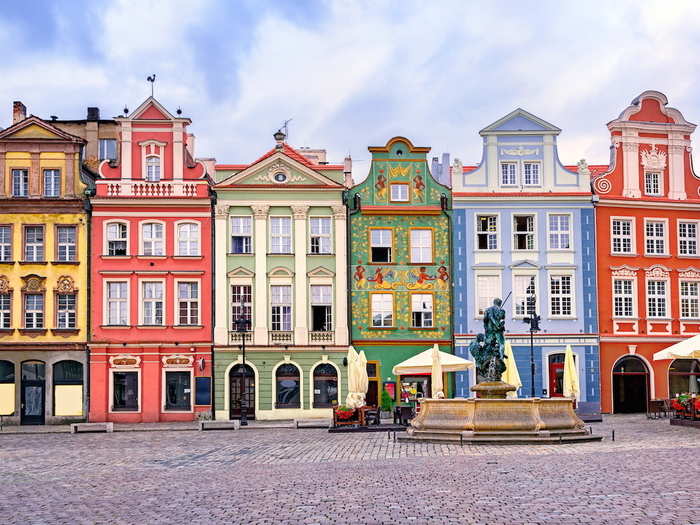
(399, 266)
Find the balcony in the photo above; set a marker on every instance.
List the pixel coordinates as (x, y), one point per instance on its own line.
(321, 338)
(281, 338)
(236, 338)
(163, 189)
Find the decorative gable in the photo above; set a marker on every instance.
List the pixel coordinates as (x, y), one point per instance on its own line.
(241, 272)
(280, 271)
(520, 121)
(524, 265)
(34, 128)
(320, 271)
(151, 109)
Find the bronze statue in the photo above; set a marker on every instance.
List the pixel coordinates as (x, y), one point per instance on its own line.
(489, 348)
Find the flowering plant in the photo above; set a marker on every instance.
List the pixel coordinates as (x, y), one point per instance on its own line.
(344, 412)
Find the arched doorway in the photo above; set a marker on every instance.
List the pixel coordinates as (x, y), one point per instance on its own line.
(33, 402)
(325, 386)
(630, 385)
(241, 390)
(684, 377)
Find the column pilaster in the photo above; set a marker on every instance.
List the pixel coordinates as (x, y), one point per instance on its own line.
(301, 307)
(221, 291)
(342, 337)
(260, 299)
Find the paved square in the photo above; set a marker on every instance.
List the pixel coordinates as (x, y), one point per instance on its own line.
(649, 475)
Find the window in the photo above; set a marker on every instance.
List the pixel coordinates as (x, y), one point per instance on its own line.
(108, 149)
(487, 232)
(524, 295)
(508, 173)
(117, 303)
(281, 229)
(683, 377)
(5, 243)
(560, 295)
(623, 298)
(34, 243)
(153, 168)
(52, 183)
(281, 308)
(188, 239)
(421, 246)
(241, 302)
(422, 310)
(241, 230)
(321, 308)
(523, 232)
(325, 385)
(66, 243)
(188, 303)
(178, 390)
(690, 299)
(7, 372)
(320, 235)
(68, 388)
(288, 386)
(117, 236)
(559, 232)
(652, 183)
(34, 310)
(125, 387)
(382, 310)
(152, 235)
(688, 238)
(380, 245)
(5, 310)
(20, 183)
(531, 173)
(152, 302)
(656, 298)
(399, 192)
(622, 236)
(655, 237)
(66, 311)
(488, 287)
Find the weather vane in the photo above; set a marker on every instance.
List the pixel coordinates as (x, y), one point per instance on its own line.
(152, 80)
(285, 127)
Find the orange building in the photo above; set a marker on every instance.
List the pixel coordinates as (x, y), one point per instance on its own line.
(648, 255)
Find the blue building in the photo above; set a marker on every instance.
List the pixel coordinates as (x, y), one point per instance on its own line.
(523, 224)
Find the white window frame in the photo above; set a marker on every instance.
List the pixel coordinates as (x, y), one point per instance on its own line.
(6, 313)
(35, 313)
(402, 196)
(514, 175)
(198, 239)
(318, 219)
(688, 297)
(382, 244)
(632, 295)
(496, 234)
(517, 296)
(36, 247)
(559, 233)
(250, 304)
(142, 299)
(126, 300)
(101, 154)
(290, 305)
(111, 390)
(105, 245)
(163, 400)
(659, 183)
(240, 233)
(142, 239)
(696, 239)
(658, 297)
(489, 301)
(66, 313)
(532, 233)
(177, 299)
(632, 236)
(571, 295)
(382, 310)
(422, 310)
(56, 189)
(6, 248)
(23, 183)
(536, 163)
(66, 245)
(420, 247)
(663, 221)
(157, 168)
(328, 302)
(290, 235)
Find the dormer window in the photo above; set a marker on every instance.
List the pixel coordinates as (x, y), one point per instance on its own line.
(153, 168)
(508, 173)
(652, 183)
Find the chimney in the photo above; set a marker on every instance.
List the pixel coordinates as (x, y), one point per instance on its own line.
(347, 170)
(93, 113)
(19, 111)
(190, 144)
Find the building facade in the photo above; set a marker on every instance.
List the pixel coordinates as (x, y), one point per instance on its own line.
(281, 245)
(647, 215)
(151, 276)
(524, 232)
(43, 273)
(400, 267)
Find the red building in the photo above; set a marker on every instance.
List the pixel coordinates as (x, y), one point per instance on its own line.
(647, 220)
(150, 352)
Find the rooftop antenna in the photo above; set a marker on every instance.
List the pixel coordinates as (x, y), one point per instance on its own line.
(285, 127)
(152, 80)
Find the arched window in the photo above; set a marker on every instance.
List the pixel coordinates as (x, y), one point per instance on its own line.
(288, 386)
(152, 238)
(630, 365)
(153, 168)
(7, 388)
(68, 373)
(325, 385)
(684, 377)
(68, 388)
(188, 238)
(33, 371)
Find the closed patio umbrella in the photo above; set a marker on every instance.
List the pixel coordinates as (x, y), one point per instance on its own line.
(436, 386)
(362, 378)
(686, 349)
(353, 388)
(511, 375)
(571, 385)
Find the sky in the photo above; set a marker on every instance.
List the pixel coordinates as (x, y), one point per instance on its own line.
(352, 74)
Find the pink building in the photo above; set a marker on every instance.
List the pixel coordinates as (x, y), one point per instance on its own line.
(150, 351)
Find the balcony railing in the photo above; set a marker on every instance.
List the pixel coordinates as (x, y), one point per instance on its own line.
(151, 189)
(236, 338)
(322, 338)
(281, 338)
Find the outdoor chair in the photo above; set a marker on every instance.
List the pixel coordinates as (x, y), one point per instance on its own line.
(372, 416)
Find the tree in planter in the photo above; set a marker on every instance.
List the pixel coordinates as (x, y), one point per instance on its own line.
(386, 402)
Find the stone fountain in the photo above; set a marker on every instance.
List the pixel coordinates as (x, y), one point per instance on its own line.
(491, 417)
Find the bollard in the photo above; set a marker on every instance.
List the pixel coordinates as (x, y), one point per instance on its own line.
(461, 440)
(613, 434)
(388, 435)
(590, 430)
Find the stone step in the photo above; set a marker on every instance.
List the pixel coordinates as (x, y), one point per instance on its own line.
(313, 423)
(222, 424)
(497, 439)
(79, 428)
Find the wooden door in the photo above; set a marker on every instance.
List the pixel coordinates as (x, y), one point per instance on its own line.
(241, 390)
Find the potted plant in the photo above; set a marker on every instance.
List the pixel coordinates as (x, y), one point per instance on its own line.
(344, 412)
(386, 404)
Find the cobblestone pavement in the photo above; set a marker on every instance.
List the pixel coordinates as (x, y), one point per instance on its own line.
(649, 475)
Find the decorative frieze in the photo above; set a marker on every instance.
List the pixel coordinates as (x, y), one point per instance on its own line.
(653, 159)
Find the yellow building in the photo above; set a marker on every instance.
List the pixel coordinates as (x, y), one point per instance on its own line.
(43, 273)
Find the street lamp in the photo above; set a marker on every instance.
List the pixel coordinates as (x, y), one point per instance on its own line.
(242, 324)
(534, 322)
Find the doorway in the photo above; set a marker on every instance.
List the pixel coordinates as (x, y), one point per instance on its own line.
(556, 375)
(373, 379)
(241, 391)
(630, 386)
(33, 393)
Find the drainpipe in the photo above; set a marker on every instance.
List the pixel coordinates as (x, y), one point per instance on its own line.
(87, 206)
(212, 255)
(445, 206)
(356, 206)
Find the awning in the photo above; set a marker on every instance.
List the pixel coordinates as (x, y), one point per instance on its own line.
(686, 349)
(423, 363)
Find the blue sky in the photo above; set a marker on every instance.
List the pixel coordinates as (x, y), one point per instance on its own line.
(353, 74)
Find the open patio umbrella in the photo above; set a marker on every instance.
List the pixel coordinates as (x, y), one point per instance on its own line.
(436, 386)
(362, 378)
(686, 349)
(511, 375)
(353, 379)
(571, 386)
(423, 363)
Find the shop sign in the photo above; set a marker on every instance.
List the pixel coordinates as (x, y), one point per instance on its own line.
(178, 360)
(125, 361)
